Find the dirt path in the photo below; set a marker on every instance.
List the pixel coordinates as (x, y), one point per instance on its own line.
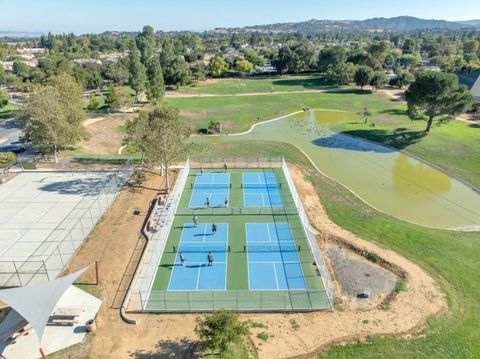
(248, 94)
(117, 239)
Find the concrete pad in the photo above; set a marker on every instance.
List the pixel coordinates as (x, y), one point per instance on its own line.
(56, 337)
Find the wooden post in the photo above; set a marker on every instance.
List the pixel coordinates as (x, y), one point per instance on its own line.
(96, 272)
(42, 353)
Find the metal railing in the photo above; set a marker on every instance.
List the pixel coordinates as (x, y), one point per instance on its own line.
(235, 162)
(311, 236)
(55, 252)
(234, 211)
(147, 269)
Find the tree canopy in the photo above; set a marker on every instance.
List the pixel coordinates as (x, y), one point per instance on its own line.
(435, 94)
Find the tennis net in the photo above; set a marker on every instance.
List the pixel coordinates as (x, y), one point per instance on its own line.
(211, 185)
(202, 248)
(274, 247)
(273, 185)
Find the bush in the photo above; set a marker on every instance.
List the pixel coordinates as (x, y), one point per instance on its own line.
(219, 330)
(7, 159)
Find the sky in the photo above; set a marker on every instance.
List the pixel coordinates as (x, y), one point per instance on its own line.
(95, 16)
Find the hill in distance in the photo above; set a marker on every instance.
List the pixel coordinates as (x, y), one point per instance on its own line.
(394, 24)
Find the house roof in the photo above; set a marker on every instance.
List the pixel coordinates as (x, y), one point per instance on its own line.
(472, 81)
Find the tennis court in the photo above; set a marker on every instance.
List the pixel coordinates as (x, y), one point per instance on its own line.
(273, 262)
(211, 187)
(261, 190)
(195, 244)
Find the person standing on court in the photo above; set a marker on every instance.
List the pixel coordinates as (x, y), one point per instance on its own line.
(225, 167)
(195, 220)
(201, 169)
(210, 259)
(182, 258)
(207, 202)
(214, 228)
(226, 202)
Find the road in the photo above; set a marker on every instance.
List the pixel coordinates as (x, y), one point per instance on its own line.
(10, 132)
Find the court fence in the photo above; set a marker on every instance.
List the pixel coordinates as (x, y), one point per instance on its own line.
(235, 162)
(238, 300)
(311, 234)
(163, 215)
(49, 260)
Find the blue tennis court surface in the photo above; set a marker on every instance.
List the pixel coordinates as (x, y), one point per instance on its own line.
(195, 244)
(212, 186)
(261, 190)
(273, 262)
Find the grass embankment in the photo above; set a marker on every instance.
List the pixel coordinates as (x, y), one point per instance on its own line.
(453, 146)
(450, 257)
(260, 84)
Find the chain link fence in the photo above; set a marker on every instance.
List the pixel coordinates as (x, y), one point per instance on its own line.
(55, 252)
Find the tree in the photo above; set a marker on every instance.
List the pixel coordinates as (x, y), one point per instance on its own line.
(138, 76)
(330, 57)
(93, 103)
(252, 56)
(21, 69)
(282, 60)
(3, 98)
(219, 330)
(160, 134)
(145, 42)
(342, 74)
(409, 60)
(244, 66)
(177, 72)
(217, 66)
(155, 84)
(52, 116)
(403, 79)
(435, 94)
(7, 159)
(379, 79)
(362, 76)
(119, 98)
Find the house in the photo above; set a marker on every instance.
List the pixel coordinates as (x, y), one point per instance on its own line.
(231, 55)
(472, 81)
(86, 62)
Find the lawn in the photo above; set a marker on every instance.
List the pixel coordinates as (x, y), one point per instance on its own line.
(238, 113)
(7, 111)
(450, 257)
(260, 84)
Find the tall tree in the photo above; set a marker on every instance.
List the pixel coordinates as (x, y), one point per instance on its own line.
(155, 84)
(3, 98)
(138, 76)
(435, 94)
(363, 75)
(379, 79)
(162, 136)
(146, 43)
(329, 57)
(52, 116)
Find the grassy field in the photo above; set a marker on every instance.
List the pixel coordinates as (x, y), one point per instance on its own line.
(450, 257)
(260, 84)
(238, 113)
(7, 112)
(454, 146)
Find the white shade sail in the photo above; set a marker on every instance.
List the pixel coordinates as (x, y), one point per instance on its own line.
(35, 303)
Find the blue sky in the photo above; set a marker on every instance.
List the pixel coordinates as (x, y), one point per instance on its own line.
(85, 16)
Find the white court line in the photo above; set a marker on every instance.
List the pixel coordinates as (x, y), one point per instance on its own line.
(268, 232)
(198, 277)
(275, 271)
(204, 232)
(270, 261)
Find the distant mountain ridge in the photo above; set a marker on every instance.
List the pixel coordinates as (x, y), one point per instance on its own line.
(400, 23)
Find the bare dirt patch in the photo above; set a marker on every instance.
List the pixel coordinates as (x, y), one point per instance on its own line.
(397, 95)
(116, 240)
(104, 137)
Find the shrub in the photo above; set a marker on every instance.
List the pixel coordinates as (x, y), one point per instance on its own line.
(7, 159)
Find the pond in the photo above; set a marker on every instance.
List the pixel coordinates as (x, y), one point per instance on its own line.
(388, 180)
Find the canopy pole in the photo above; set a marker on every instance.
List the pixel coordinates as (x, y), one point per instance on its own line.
(42, 353)
(96, 273)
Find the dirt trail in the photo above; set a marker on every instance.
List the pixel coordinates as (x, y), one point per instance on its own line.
(117, 238)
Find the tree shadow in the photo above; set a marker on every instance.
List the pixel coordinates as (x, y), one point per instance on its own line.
(395, 112)
(399, 138)
(309, 83)
(91, 186)
(474, 125)
(169, 349)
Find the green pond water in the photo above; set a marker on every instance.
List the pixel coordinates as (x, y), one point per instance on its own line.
(388, 180)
